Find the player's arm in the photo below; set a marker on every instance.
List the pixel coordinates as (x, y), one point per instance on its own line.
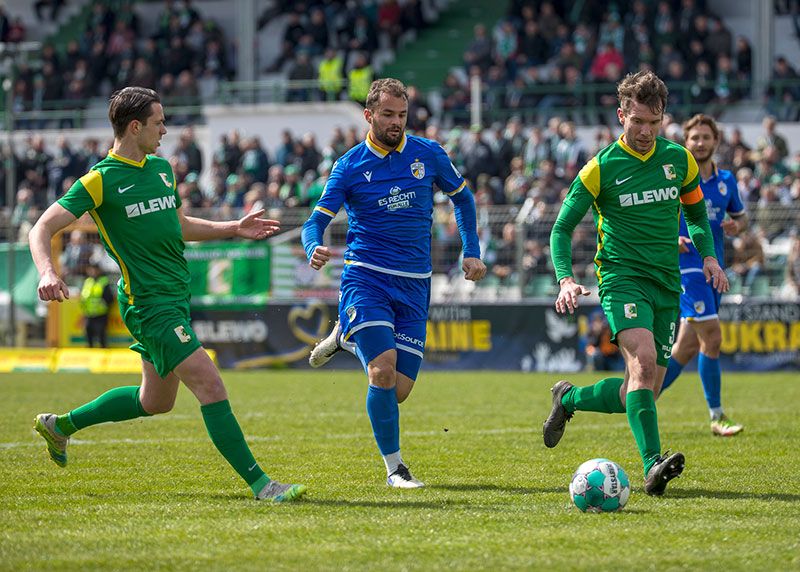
(324, 212)
(453, 185)
(696, 216)
(251, 226)
(53, 220)
(738, 220)
(85, 194)
(582, 193)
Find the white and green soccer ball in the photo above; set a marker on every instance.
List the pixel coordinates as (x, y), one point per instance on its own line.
(600, 485)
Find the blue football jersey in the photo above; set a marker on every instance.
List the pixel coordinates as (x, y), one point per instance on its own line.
(721, 194)
(388, 197)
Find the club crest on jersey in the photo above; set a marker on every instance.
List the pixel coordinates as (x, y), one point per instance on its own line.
(418, 169)
(185, 338)
(669, 172)
(723, 188)
(165, 179)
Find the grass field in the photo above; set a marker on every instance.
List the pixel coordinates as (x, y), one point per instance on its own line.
(153, 494)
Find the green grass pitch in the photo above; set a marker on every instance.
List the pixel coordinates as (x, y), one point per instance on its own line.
(153, 494)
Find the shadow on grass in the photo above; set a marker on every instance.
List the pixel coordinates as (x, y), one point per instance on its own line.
(477, 487)
(725, 495)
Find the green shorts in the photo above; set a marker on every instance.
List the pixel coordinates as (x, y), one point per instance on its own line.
(641, 303)
(163, 333)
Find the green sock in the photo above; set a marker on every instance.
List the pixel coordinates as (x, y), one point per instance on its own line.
(229, 440)
(118, 404)
(643, 419)
(602, 397)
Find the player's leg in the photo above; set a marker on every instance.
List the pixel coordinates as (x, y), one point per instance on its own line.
(201, 376)
(155, 395)
(605, 396)
(710, 339)
(646, 353)
(686, 347)
(698, 302)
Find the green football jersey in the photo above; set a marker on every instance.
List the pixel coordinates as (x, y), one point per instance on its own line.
(636, 201)
(134, 205)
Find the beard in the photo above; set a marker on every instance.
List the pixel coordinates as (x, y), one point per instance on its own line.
(387, 138)
(702, 158)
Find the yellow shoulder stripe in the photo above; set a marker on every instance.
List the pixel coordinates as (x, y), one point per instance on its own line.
(691, 168)
(93, 183)
(590, 176)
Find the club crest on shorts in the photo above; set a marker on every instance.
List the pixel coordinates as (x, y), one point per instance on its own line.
(699, 306)
(630, 311)
(418, 169)
(669, 172)
(351, 313)
(185, 338)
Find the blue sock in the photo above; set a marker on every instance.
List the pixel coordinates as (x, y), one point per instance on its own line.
(711, 377)
(674, 369)
(384, 414)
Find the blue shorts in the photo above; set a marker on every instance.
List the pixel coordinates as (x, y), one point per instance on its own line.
(381, 312)
(699, 300)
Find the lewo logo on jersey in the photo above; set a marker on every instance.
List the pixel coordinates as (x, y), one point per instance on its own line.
(153, 205)
(653, 196)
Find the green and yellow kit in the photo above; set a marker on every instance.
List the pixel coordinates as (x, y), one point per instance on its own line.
(134, 205)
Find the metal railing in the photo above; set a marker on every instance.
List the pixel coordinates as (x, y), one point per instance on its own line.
(586, 103)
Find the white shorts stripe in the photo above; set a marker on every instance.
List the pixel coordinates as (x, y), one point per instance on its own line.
(701, 318)
(410, 350)
(690, 270)
(389, 270)
(368, 325)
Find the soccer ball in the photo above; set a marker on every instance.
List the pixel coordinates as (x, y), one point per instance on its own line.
(600, 485)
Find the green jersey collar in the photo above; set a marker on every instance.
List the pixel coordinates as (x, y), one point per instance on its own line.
(126, 160)
(630, 151)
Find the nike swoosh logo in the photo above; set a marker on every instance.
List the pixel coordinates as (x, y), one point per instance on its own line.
(253, 467)
(125, 189)
(619, 182)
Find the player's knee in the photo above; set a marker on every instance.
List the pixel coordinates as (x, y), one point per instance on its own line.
(643, 369)
(157, 408)
(382, 374)
(711, 342)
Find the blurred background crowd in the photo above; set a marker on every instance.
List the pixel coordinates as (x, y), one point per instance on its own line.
(546, 72)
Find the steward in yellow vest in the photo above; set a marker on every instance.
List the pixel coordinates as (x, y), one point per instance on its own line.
(96, 296)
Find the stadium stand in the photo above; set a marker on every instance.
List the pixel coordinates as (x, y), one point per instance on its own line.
(547, 87)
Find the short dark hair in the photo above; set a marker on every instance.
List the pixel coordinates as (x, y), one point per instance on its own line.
(644, 87)
(701, 119)
(130, 103)
(390, 86)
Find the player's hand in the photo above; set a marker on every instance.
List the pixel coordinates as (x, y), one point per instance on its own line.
(715, 275)
(730, 226)
(683, 244)
(320, 257)
(474, 269)
(568, 296)
(51, 287)
(253, 227)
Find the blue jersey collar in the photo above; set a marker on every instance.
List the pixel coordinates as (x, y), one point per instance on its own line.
(379, 152)
(714, 173)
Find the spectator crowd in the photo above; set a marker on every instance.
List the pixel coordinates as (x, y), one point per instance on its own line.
(517, 173)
